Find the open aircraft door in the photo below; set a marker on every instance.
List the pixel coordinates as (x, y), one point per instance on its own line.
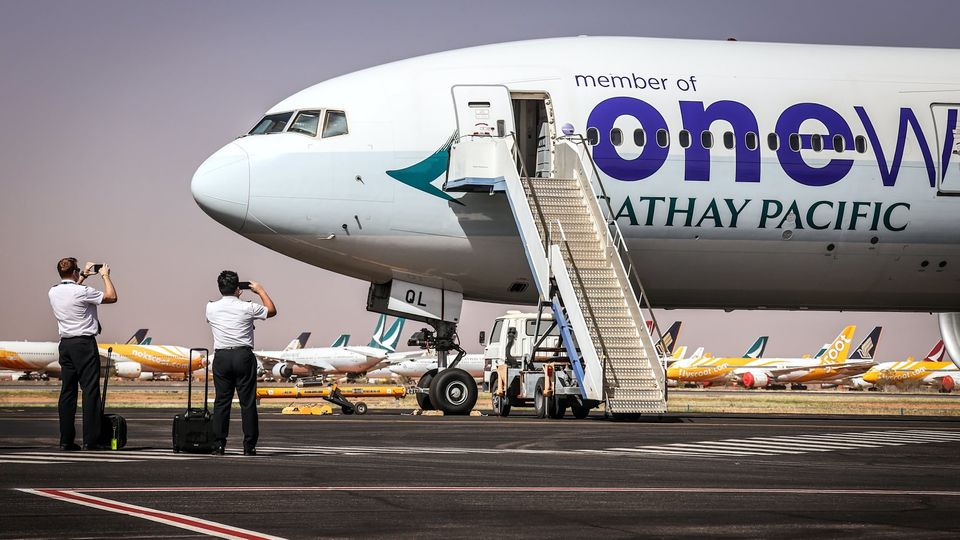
(483, 110)
(948, 145)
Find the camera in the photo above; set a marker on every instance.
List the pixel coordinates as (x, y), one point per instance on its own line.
(95, 269)
(244, 285)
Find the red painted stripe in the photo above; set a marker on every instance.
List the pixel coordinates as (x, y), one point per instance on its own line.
(144, 512)
(517, 489)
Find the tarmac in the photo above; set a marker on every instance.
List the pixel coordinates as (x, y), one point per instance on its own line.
(390, 475)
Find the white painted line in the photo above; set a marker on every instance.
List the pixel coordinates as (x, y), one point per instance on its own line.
(502, 489)
(706, 447)
(800, 446)
(824, 443)
(733, 445)
(28, 462)
(675, 452)
(912, 437)
(842, 439)
(181, 521)
(73, 459)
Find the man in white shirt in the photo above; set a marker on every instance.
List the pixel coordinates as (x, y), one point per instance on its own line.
(75, 307)
(234, 364)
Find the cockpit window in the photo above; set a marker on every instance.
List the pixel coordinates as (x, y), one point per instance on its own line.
(306, 122)
(272, 123)
(335, 124)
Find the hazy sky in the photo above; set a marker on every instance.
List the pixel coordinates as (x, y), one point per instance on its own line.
(109, 107)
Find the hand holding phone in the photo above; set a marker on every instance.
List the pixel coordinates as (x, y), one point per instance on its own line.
(95, 269)
(244, 285)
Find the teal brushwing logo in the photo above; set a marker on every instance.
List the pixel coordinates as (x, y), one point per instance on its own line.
(420, 176)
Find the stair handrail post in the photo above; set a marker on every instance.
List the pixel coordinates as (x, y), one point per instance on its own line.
(617, 237)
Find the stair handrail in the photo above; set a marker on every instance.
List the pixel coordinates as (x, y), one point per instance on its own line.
(619, 243)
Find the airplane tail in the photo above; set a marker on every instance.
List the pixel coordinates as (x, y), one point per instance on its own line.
(838, 350)
(138, 337)
(867, 349)
(697, 354)
(668, 341)
(756, 350)
(378, 332)
(147, 341)
(937, 353)
(342, 341)
(299, 342)
(680, 352)
(391, 338)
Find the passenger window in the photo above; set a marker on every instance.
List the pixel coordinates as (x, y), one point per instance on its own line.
(838, 143)
(728, 140)
(861, 143)
(307, 122)
(663, 138)
(495, 333)
(639, 137)
(773, 141)
(751, 140)
(616, 137)
(706, 140)
(795, 142)
(593, 136)
(272, 123)
(334, 124)
(816, 142)
(684, 138)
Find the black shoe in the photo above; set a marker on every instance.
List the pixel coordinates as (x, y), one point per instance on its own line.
(250, 451)
(94, 447)
(218, 450)
(70, 447)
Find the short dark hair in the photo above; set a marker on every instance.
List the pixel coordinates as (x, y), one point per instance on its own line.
(67, 266)
(228, 281)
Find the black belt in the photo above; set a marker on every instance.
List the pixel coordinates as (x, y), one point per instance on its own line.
(76, 337)
(247, 347)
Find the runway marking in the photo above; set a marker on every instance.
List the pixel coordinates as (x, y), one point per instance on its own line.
(793, 444)
(210, 528)
(499, 489)
(104, 456)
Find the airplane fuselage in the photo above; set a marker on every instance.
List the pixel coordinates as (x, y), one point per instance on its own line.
(769, 175)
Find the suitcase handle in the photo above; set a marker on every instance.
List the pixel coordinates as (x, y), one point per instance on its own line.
(106, 379)
(206, 379)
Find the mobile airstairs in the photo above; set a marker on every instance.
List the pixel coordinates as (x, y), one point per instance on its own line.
(577, 257)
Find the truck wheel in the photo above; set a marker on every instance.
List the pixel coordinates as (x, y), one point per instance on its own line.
(454, 391)
(499, 404)
(539, 401)
(360, 407)
(346, 410)
(423, 399)
(556, 407)
(579, 411)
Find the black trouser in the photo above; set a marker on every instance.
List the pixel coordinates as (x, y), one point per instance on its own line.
(235, 369)
(79, 363)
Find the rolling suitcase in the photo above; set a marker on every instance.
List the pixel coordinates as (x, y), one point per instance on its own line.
(193, 429)
(113, 427)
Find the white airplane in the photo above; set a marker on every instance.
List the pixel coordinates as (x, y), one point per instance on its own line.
(339, 359)
(414, 368)
(785, 163)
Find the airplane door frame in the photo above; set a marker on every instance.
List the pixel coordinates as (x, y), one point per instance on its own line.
(947, 128)
(484, 110)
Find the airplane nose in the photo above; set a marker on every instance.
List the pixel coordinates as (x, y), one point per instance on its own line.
(221, 186)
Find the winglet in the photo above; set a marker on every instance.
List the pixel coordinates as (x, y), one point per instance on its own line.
(937, 353)
(867, 350)
(341, 341)
(838, 350)
(756, 350)
(137, 337)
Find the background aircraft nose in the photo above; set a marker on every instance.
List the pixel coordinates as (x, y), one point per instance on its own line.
(221, 186)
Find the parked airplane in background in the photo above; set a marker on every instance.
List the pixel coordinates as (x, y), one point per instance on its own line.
(758, 372)
(336, 360)
(414, 368)
(827, 371)
(934, 370)
(41, 359)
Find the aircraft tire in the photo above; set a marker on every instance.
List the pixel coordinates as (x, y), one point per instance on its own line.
(454, 391)
(539, 401)
(423, 400)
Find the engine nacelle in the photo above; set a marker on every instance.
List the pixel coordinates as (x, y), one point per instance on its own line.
(755, 379)
(146, 376)
(128, 370)
(947, 384)
(282, 371)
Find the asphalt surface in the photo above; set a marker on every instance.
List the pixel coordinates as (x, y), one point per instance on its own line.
(390, 475)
